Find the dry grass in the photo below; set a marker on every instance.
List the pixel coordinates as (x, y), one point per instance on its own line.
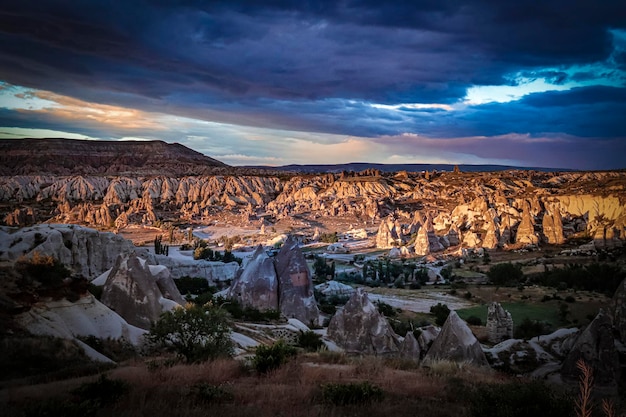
(295, 389)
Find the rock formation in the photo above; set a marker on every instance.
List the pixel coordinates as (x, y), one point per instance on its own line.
(257, 286)
(526, 229)
(388, 235)
(456, 343)
(360, 328)
(552, 225)
(86, 252)
(139, 292)
(295, 284)
(499, 323)
(410, 348)
(422, 245)
(596, 346)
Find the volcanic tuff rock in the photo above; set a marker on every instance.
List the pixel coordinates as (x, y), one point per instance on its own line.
(456, 343)
(140, 292)
(359, 328)
(257, 286)
(504, 208)
(86, 252)
(596, 346)
(295, 284)
(410, 348)
(499, 323)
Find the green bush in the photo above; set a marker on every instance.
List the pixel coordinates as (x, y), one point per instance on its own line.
(519, 400)
(195, 333)
(386, 309)
(358, 393)
(310, 340)
(474, 321)
(528, 329)
(268, 358)
(192, 285)
(441, 313)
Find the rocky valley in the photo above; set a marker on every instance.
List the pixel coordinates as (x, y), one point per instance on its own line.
(469, 270)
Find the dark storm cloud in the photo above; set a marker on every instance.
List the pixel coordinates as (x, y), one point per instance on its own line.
(402, 51)
(322, 66)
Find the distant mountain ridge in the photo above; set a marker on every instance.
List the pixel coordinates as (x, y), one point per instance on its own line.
(361, 166)
(78, 157)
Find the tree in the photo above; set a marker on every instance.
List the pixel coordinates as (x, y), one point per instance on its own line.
(197, 333)
(505, 274)
(441, 313)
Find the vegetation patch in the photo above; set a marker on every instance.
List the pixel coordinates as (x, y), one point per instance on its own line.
(356, 393)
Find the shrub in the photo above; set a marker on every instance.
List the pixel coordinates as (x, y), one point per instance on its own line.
(268, 358)
(195, 333)
(191, 285)
(530, 328)
(441, 312)
(310, 340)
(570, 299)
(214, 394)
(103, 391)
(358, 393)
(386, 309)
(45, 269)
(519, 400)
(474, 321)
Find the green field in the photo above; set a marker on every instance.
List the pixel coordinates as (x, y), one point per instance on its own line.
(547, 312)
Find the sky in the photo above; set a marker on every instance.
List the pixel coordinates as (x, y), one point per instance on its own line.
(276, 82)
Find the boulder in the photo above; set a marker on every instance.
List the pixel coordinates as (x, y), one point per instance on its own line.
(457, 343)
(138, 292)
(360, 328)
(596, 346)
(257, 286)
(427, 337)
(295, 298)
(499, 323)
(330, 288)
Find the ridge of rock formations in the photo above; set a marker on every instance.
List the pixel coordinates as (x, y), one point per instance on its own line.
(140, 292)
(457, 343)
(360, 328)
(502, 209)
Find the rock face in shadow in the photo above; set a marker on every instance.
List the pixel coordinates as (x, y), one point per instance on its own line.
(257, 286)
(596, 346)
(140, 292)
(360, 328)
(618, 311)
(499, 323)
(295, 298)
(457, 343)
(410, 348)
